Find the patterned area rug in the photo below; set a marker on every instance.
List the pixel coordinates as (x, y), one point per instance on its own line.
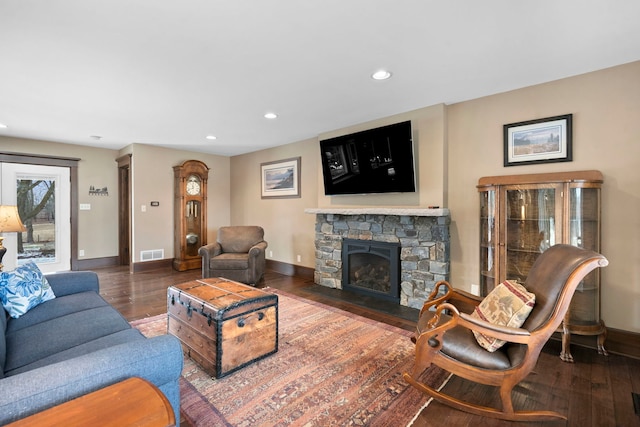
(332, 368)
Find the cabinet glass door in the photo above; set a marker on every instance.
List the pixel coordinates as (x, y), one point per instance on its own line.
(532, 216)
(193, 227)
(488, 241)
(584, 210)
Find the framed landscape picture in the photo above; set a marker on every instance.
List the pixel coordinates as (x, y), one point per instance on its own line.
(545, 140)
(280, 179)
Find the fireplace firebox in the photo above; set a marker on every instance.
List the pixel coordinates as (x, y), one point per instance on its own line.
(371, 268)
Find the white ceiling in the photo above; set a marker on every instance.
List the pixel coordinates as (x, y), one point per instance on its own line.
(170, 72)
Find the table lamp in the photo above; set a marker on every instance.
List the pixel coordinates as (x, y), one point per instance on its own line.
(9, 222)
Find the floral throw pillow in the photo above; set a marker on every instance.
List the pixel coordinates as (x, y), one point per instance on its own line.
(24, 288)
(508, 304)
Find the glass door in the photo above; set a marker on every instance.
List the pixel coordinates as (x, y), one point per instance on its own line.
(532, 216)
(42, 194)
(488, 241)
(583, 230)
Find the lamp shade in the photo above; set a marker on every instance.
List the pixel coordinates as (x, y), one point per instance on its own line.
(10, 220)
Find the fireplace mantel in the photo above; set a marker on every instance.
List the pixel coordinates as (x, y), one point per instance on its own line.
(380, 211)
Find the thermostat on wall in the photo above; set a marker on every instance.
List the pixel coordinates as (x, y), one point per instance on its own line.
(155, 203)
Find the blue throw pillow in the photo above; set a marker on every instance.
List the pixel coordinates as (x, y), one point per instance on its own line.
(24, 288)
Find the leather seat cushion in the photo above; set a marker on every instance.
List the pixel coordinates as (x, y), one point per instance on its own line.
(460, 344)
(230, 261)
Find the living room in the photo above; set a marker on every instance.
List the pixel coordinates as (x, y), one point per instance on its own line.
(449, 168)
(455, 144)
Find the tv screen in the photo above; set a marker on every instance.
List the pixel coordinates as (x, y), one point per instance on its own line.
(378, 160)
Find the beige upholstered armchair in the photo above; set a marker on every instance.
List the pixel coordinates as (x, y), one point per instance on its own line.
(238, 254)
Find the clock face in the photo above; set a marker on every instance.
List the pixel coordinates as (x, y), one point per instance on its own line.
(193, 185)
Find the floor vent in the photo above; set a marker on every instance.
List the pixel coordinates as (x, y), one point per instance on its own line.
(636, 402)
(152, 255)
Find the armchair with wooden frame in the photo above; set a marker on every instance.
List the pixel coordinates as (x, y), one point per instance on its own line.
(444, 333)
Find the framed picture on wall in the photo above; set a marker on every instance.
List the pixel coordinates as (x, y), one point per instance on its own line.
(545, 140)
(280, 179)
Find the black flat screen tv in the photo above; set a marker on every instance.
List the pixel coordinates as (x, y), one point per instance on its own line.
(377, 160)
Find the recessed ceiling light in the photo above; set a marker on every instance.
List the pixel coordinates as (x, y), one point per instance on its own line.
(270, 116)
(211, 137)
(3, 126)
(381, 75)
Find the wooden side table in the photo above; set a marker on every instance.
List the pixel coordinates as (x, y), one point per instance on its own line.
(133, 401)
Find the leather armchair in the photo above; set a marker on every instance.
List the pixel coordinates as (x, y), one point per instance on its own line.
(238, 254)
(444, 334)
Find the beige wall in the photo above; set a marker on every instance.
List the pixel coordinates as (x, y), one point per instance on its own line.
(152, 179)
(455, 146)
(458, 144)
(606, 111)
(98, 227)
(428, 128)
(288, 230)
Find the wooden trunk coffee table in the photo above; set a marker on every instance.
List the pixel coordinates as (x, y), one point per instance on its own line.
(223, 325)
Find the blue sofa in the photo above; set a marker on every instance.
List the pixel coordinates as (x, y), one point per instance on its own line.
(75, 344)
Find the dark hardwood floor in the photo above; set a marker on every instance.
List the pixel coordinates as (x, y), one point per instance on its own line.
(594, 391)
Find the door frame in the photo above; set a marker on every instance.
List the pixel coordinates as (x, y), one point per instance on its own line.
(72, 164)
(124, 211)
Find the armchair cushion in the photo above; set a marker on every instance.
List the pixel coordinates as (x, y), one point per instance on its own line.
(508, 304)
(460, 345)
(232, 261)
(239, 239)
(24, 288)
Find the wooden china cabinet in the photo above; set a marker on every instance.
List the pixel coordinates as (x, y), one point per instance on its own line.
(521, 216)
(190, 213)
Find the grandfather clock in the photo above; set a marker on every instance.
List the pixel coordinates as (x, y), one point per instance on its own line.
(190, 213)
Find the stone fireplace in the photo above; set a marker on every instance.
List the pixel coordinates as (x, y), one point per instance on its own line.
(421, 234)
